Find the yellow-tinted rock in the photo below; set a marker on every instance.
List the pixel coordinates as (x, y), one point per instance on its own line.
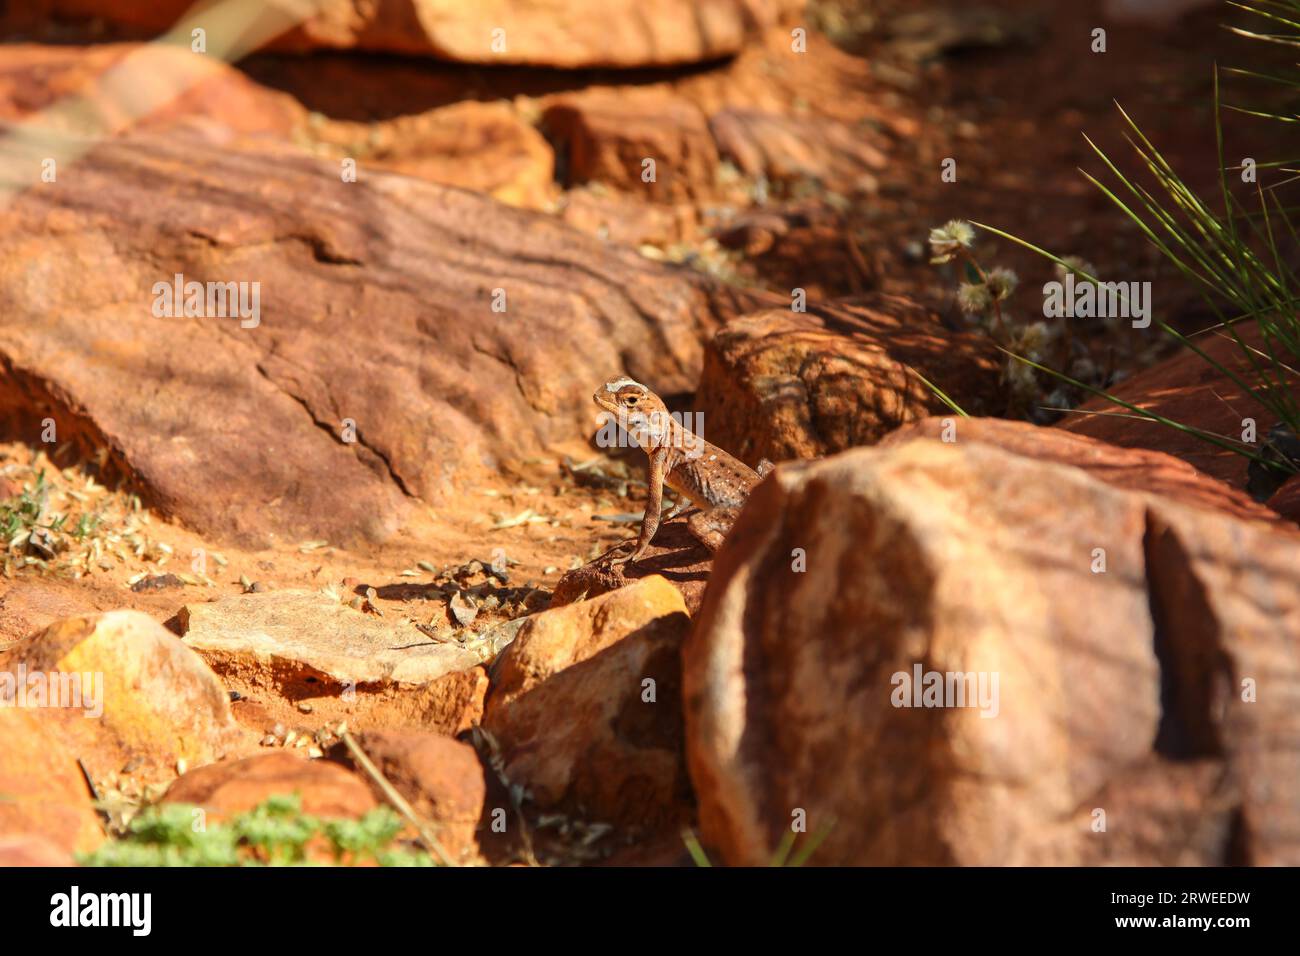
(586, 705)
(143, 693)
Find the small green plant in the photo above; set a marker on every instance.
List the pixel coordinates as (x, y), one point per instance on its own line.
(781, 856)
(86, 525)
(984, 296)
(22, 513)
(274, 833)
(62, 522)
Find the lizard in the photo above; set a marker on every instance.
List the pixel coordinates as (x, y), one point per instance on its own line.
(706, 476)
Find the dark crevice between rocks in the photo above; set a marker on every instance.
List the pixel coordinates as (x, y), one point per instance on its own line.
(1195, 674)
(26, 400)
(427, 83)
(1238, 849)
(560, 150)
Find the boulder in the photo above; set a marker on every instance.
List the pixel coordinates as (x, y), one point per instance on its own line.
(941, 653)
(586, 708)
(585, 33)
(1130, 469)
(36, 77)
(1189, 390)
(440, 777)
(33, 851)
(487, 147)
(120, 688)
(646, 141)
(287, 648)
(308, 634)
(43, 794)
(779, 384)
(232, 787)
(374, 369)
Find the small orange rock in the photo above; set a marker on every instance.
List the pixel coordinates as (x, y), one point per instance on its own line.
(232, 787)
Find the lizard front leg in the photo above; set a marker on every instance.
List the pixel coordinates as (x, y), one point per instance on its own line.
(658, 461)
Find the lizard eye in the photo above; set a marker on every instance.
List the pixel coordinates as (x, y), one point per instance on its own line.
(630, 400)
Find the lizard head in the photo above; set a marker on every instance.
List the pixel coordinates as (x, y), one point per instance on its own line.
(635, 406)
(624, 396)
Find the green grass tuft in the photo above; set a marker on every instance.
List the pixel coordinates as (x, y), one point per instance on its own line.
(274, 833)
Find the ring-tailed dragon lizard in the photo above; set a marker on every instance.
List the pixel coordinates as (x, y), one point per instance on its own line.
(706, 476)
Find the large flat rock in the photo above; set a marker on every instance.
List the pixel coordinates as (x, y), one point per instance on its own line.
(376, 306)
(306, 632)
(579, 33)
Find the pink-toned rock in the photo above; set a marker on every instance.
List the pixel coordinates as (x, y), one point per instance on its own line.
(40, 77)
(1130, 469)
(43, 795)
(1144, 652)
(486, 147)
(440, 777)
(33, 851)
(375, 307)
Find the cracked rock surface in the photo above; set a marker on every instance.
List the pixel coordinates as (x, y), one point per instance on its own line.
(378, 369)
(1153, 693)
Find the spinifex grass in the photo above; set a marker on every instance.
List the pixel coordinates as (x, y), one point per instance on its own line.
(1238, 260)
(1282, 19)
